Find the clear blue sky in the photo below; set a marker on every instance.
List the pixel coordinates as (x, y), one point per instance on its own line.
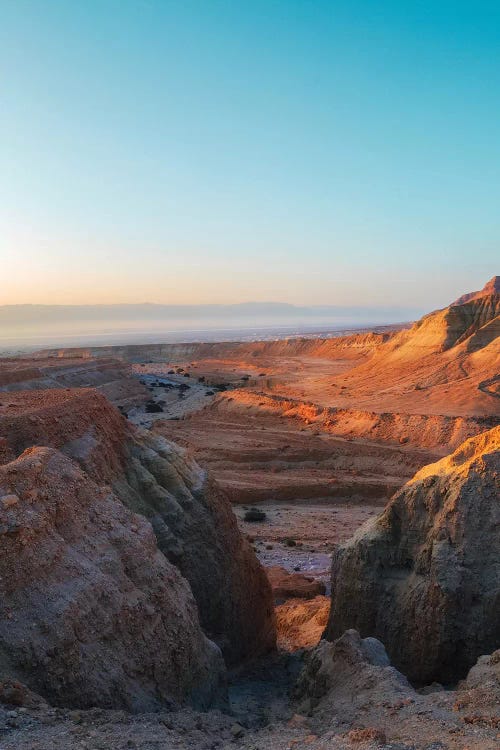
(229, 150)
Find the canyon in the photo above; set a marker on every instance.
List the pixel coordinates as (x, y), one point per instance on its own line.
(274, 544)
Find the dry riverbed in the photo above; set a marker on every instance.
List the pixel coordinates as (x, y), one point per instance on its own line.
(301, 536)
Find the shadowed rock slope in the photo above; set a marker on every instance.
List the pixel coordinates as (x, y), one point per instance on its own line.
(109, 376)
(424, 577)
(91, 613)
(109, 465)
(197, 531)
(356, 698)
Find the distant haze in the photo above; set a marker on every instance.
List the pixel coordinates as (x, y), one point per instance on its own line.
(43, 325)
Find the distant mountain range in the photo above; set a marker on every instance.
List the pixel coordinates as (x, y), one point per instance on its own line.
(34, 326)
(21, 315)
(64, 325)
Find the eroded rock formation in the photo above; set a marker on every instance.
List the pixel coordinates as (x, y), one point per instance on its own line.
(424, 577)
(197, 531)
(91, 613)
(356, 698)
(213, 574)
(491, 287)
(287, 585)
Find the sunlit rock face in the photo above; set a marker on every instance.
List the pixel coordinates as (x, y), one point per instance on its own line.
(491, 287)
(424, 577)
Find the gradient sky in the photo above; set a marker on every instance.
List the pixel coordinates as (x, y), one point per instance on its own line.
(229, 150)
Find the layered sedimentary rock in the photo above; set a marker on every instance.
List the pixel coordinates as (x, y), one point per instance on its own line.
(491, 287)
(197, 531)
(424, 577)
(287, 585)
(230, 350)
(109, 376)
(447, 363)
(425, 430)
(192, 520)
(300, 623)
(91, 613)
(441, 330)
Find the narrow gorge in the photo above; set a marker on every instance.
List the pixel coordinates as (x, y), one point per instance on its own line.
(259, 545)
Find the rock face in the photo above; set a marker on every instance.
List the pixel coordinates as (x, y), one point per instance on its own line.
(110, 377)
(197, 531)
(341, 674)
(349, 688)
(100, 606)
(424, 577)
(91, 613)
(300, 623)
(447, 363)
(441, 330)
(491, 287)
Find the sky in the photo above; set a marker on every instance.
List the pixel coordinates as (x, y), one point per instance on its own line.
(213, 151)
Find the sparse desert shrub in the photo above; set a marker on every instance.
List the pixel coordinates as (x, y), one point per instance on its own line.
(152, 407)
(255, 515)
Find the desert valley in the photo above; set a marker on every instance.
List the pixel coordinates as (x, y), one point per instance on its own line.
(269, 545)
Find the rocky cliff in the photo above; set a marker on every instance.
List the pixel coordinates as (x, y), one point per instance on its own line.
(197, 531)
(491, 287)
(424, 577)
(446, 363)
(91, 613)
(213, 574)
(294, 346)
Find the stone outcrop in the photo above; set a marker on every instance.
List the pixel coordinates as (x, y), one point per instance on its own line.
(91, 613)
(447, 363)
(300, 623)
(491, 287)
(424, 577)
(340, 674)
(197, 531)
(193, 521)
(443, 329)
(109, 376)
(353, 695)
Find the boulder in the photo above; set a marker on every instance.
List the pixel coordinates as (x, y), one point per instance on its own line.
(255, 515)
(346, 673)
